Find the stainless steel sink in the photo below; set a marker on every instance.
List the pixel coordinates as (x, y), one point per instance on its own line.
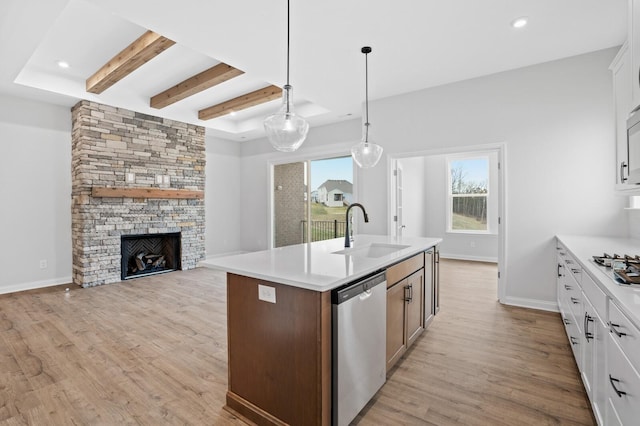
(372, 250)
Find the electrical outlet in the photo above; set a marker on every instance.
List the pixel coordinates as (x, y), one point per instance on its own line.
(43, 264)
(266, 293)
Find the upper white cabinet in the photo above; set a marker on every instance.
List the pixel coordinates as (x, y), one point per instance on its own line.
(634, 45)
(621, 70)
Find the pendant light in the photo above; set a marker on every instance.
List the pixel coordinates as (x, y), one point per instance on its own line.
(366, 154)
(285, 130)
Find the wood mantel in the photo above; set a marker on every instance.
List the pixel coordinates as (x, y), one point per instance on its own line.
(159, 193)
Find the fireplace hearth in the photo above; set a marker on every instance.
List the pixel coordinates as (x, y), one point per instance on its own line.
(149, 254)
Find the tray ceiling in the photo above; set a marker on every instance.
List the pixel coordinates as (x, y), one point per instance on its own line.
(416, 45)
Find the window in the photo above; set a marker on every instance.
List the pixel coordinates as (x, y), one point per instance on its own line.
(468, 194)
(319, 214)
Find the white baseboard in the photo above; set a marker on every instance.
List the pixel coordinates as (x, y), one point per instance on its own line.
(522, 302)
(471, 258)
(34, 285)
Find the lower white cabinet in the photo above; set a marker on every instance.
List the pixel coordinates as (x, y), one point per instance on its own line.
(605, 338)
(595, 334)
(623, 387)
(583, 308)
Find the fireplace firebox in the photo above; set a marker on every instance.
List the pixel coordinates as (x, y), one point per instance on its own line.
(149, 254)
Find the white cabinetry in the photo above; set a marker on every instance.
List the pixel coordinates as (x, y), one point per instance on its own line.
(623, 362)
(634, 45)
(583, 308)
(621, 73)
(594, 345)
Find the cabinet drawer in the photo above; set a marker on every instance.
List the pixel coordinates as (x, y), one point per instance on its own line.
(596, 296)
(572, 300)
(623, 386)
(625, 334)
(401, 270)
(575, 338)
(573, 269)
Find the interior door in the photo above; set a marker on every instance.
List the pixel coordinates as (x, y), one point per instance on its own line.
(398, 188)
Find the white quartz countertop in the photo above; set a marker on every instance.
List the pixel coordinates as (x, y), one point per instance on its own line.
(582, 248)
(315, 266)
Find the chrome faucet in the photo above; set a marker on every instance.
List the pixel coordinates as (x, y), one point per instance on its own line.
(347, 237)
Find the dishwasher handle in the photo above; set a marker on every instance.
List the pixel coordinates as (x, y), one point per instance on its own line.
(358, 288)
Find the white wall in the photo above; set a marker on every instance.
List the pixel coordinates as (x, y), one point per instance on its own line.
(556, 120)
(222, 197)
(35, 194)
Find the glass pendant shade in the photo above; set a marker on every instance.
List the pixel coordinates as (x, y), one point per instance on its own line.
(285, 130)
(366, 154)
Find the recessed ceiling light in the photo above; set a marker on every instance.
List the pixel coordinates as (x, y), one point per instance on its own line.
(232, 113)
(519, 22)
(63, 64)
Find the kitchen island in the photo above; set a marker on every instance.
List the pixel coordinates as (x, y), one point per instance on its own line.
(279, 320)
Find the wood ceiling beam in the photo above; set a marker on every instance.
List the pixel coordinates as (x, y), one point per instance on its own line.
(247, 100)
(196, 84)
(146, 47)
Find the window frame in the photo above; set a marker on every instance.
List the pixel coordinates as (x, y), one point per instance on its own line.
(450, 196)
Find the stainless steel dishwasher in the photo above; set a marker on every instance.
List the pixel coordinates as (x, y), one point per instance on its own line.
(359, 345)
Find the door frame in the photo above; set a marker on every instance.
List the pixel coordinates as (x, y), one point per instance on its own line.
(501, 149)
(298, 157)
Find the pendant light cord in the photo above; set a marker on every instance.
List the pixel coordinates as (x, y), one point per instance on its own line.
(288, 31)
(366, 51)
(287, 87)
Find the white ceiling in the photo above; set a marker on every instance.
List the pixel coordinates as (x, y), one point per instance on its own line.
(416, 44)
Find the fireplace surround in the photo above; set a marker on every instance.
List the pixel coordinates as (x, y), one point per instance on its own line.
(117, 148)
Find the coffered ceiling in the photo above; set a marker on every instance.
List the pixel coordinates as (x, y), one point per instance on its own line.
(416, 44)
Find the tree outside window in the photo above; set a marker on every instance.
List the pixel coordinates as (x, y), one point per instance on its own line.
(468, 193)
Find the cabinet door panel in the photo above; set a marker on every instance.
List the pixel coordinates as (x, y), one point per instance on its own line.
(396, 337)
(428, 288)
(415, 308)
(623, 387)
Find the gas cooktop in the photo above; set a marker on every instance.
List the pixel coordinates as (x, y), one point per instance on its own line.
(626, 268)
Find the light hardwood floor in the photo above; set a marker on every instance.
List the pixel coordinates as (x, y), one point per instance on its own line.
(153, 351)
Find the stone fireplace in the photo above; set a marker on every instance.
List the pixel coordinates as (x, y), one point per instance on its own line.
(133, 175)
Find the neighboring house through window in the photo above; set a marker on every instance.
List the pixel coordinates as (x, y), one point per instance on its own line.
(334, 192)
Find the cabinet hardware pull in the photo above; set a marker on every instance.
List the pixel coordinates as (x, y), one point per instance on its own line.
(567, 287)
(559, 266)
(573, 340)
(410, 296)
(575, 271)
(566, 321)
(575, 301)
(612, 328)
(613, 385)
(587, 320)
(623, 165)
